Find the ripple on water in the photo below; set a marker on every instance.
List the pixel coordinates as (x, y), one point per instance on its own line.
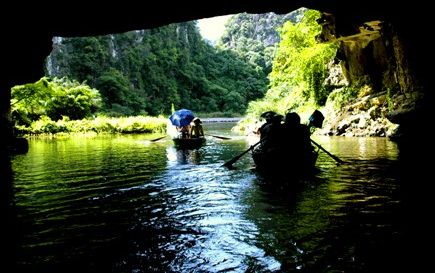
(122, 206)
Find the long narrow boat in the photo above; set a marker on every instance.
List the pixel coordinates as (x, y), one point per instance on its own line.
(285, 166)
(189, 143)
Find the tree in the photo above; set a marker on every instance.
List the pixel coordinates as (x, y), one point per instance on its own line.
(301, 61)
(54, 98)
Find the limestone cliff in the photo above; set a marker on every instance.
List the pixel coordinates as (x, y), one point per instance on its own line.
(371, 79)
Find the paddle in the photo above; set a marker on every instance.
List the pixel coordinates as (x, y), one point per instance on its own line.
(230, 163)
(221, 137)
(328, 153)
(154, 140)
(316, 120)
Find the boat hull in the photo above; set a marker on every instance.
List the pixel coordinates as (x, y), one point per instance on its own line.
(188, 143)
(284, 166)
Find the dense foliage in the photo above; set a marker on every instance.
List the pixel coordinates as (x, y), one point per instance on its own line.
(152, 72)
(144, 72)
(299, 69)
(255, 37)
(98, 125)
(53, 98)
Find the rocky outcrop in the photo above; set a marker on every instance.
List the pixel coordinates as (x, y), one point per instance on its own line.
(365, 117)
(372, 63)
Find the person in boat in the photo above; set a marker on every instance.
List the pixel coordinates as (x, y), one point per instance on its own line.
(196, 129)
(268, 156)
(271, 134)
(296, 139)
(184, 131)
(268, 116)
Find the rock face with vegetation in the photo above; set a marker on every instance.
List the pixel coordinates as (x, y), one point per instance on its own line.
(377, 81)
(292, 62)
(361, 81)
(146, 71)
(255, 36)
(299, 71)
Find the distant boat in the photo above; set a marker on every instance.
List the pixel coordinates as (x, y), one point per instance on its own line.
(189, 143)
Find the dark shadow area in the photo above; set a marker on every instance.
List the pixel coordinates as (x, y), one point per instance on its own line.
(8, 246)
(416, 170)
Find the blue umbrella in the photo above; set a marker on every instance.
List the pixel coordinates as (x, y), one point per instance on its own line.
(182, 117)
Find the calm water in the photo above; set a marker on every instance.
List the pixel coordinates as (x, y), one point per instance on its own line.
(123, 204)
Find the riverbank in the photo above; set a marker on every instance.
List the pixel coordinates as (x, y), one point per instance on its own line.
(212, 120)
(121, 125)
(103, 125)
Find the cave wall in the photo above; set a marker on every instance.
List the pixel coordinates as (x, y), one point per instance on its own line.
(23, 62)
(375, 55)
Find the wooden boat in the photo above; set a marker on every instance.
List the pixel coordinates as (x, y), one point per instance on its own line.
(189, 143)
(284, 165)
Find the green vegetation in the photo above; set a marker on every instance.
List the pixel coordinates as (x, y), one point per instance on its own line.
(340, 97)
(51, 106)
(53, 98)
(263, 62)
(389, 99)
(301, 62)
(145, 72)
(299, 70)
(99, 125)
(255, 37)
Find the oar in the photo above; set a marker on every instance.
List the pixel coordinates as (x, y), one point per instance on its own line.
(221, 137)
(154, 140)
(328, 153)
(230, 163)
(316, 120)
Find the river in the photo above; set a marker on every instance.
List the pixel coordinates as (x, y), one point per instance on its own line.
(125, 204)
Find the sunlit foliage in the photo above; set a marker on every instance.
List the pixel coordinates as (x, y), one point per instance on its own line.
(299, 68)
(53, 98)
(99, 125)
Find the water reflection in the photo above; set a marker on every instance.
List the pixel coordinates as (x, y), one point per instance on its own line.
(359, 147)
(210, 232)
(186, 156)
(125, 205)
